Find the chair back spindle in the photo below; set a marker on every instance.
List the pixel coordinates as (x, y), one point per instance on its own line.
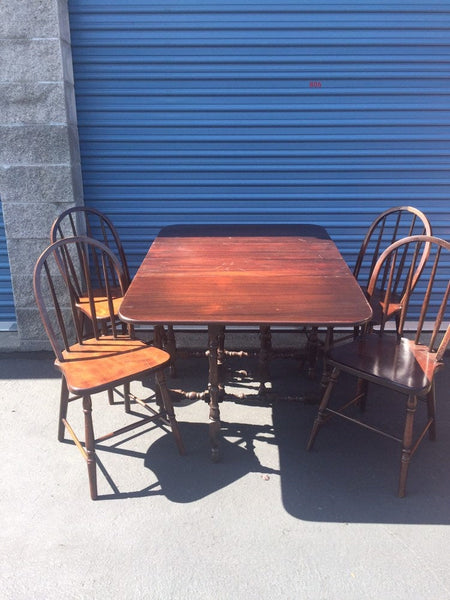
(81, 220)
(389, 226)
(433, 317)
(55, 274)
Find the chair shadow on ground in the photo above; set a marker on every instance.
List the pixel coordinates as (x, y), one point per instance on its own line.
(350, 476)
(185, 479)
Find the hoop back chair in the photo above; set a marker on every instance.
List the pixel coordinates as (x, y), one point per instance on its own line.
(389, 359)
(391, 225)
(101, 362)
(82, 220)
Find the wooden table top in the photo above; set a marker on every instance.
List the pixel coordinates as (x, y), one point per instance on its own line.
(244, 275)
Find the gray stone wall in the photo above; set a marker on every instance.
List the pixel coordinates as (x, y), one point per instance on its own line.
(40, 172)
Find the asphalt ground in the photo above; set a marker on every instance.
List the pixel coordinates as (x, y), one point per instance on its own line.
(270, 520)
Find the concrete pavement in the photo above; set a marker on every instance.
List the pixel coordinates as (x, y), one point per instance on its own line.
(269, 521)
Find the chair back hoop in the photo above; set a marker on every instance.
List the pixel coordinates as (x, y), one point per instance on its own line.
(80, 221)
(56, 279)
(393, 224)
(436, 284)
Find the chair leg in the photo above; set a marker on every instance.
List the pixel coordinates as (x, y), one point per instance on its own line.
(322, 407)
(63, 404)
(167, 341)
(431, 406)
(111, 396)
(90, 446)
(168, 407)
(126, 397)
(411, 406)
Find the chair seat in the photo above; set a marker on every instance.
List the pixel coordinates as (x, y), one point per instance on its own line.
(101, 303)
(99, 364)
(398, 364)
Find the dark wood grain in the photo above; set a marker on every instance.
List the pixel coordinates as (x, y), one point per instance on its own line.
(279, 275)
(243, 275)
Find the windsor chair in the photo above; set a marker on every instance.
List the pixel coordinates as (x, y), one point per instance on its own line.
(90, 365)
(390, 359)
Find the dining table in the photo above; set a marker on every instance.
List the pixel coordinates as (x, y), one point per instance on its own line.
(264, 275)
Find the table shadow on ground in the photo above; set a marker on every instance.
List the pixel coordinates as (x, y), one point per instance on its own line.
(350, 476)
(194, 476)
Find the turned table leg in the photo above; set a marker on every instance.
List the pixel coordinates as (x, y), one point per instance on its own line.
(214, 332)
(265, 353)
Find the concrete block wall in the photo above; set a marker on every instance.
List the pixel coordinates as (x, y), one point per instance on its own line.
(40, 173)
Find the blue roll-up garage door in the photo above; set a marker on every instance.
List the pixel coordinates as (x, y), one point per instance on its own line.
(7, 312)
(262, 111)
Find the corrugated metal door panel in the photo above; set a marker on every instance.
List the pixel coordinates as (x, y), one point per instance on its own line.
(263, 111)
(7, 311)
